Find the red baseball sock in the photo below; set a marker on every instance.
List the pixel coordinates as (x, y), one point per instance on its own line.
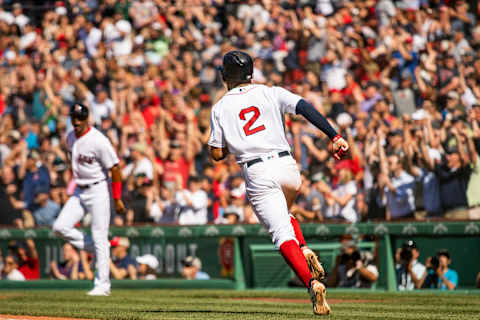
(298, 231)
(294, 257)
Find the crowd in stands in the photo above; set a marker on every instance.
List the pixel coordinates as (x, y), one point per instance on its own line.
(21, 262)
(353, 267)
(399, 79)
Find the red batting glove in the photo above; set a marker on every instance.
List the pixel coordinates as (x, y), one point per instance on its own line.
(339, 147)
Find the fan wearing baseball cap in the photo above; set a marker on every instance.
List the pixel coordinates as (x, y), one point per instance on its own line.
(192, 269)
(147, 267)
(122, 265)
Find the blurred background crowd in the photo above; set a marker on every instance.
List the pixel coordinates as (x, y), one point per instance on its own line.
(399, 79)
(21, 262)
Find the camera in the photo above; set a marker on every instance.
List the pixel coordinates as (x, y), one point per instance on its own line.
(350, 258)
(405, 256)
(435, 260)
(431, 281)
(435, 263)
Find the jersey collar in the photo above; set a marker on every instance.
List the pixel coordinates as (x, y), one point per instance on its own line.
(86, 131)
(241, 90)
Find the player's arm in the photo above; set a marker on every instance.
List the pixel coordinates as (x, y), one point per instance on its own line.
(216, 143)
(117, 188)
(218, 154)
(340, 145)
(109, 160)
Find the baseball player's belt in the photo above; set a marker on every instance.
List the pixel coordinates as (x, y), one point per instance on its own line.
(86, 186)
(280, 154)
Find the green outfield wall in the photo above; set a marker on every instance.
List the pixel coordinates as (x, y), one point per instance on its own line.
(244, 254)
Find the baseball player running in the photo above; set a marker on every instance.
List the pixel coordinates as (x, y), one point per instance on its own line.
(248, 122)
(92, 156)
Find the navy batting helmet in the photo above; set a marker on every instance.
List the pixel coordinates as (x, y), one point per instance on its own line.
(237, 66)
(79, 111)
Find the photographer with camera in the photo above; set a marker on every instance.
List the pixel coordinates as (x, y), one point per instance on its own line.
(353, 268)
(439, 275)
(410, 272)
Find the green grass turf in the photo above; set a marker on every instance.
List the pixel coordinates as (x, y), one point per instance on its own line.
(223, 304)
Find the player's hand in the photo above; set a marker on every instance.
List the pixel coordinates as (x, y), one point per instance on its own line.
(339, 147)
(119, 206)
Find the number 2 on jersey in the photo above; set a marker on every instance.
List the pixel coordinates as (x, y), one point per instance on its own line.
(256, 114)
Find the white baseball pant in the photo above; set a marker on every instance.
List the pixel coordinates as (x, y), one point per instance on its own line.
(96, 200)
(264, 181)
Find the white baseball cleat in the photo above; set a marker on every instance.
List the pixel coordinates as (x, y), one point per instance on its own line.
(98, 292)
(314, 265)
(318, 295)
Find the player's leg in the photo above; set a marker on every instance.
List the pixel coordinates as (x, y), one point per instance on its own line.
(271, 209)
(269, 203)
(288, 176)
(290, 193)
(72, 212)
(313, 262)
(272, 212)
(98, 203)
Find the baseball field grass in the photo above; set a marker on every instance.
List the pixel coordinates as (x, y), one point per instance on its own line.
(232, 305)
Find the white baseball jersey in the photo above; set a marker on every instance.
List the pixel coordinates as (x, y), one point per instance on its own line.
(249, 120)
(92, 155)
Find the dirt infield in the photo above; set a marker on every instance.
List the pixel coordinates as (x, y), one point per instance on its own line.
(330, 301)
(10, 296)
(11, 317)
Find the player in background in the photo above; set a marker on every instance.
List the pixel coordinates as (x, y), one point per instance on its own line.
(248, 121)
(92, 156)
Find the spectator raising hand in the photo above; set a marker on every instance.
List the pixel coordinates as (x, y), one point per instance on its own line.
(399, 79)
